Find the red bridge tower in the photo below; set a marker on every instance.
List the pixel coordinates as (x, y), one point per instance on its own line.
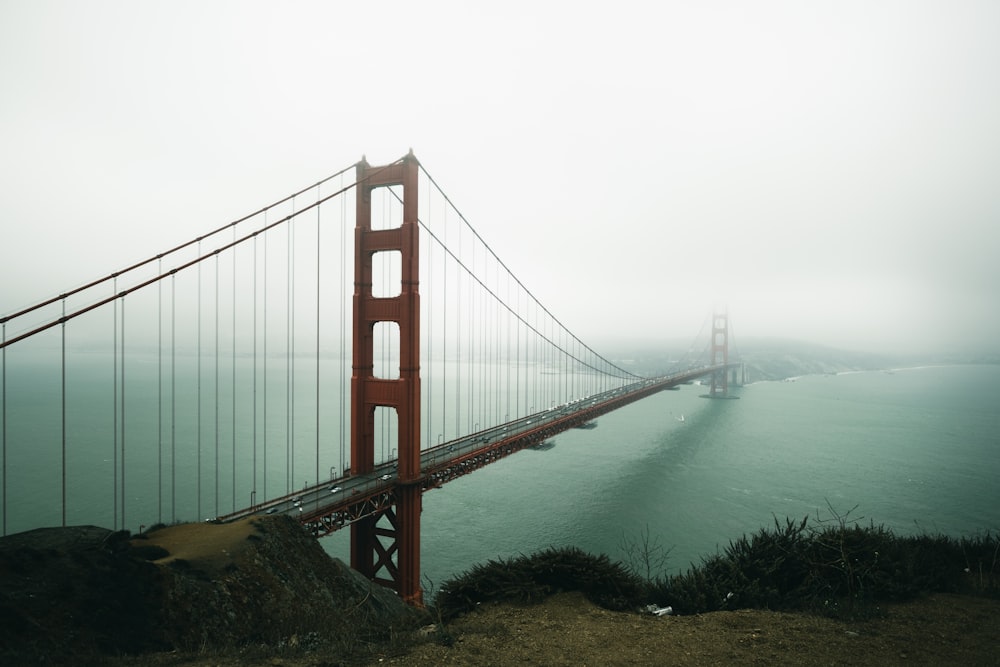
(396, 560)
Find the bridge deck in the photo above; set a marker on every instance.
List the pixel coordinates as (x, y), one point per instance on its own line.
(330, 506)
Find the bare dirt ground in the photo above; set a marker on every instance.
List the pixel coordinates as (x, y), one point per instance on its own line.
(566, 629)
(206, 545)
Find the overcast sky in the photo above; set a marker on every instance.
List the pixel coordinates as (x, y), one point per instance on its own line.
(829, 171)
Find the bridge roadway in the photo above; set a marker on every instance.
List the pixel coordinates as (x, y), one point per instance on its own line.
(330, 506)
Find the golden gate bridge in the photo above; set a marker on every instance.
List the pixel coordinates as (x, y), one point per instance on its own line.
(208, 379)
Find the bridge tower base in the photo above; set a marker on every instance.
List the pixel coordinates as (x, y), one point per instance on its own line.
(386, 547)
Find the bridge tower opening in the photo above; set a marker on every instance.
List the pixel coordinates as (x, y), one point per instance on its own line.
(385, 547)
(720, 355)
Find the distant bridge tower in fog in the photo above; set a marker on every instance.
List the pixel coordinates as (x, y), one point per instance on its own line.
(720, 355)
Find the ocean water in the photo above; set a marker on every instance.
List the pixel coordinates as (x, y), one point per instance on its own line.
(915, 450)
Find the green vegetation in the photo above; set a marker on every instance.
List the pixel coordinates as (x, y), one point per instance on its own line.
(836, 567)
(529, 579)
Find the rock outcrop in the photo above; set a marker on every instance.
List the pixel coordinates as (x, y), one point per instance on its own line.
(68, 593)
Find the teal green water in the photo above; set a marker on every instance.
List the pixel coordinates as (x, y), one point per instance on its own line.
(915, 450)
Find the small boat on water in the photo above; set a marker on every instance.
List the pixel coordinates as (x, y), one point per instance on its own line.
(588, 425)
(680, 419)
(542, 446)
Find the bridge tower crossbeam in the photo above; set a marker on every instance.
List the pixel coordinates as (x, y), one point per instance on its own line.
(385, 546)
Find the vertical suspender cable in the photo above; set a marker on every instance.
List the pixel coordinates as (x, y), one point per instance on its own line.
(344, 388)
(3, 420)
(492, 392)
(473, 375)
(317, 329)
(493, 389)
(264, 325)
(483, 303)
(496, 351)
(123, 411)
(444, 331)
(517, 355)
(541, 357)
(159, 393)
(566, 392)
(173, 397)
(63, 418)
(546, 381)
(114, 406)
(475, 334)
(472, 346)
(507, 318)
(576, 382)
(533, 396)
(288, 348)
(484, 346)
(253, 412)
(429, 343)
(216, 385)
(484, 353)
(458, 354)
(291, 380)
(233, 391)
(488, 331)
(198, 409)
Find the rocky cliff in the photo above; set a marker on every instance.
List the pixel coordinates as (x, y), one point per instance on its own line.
(68, 594)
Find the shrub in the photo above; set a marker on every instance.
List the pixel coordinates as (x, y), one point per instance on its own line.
(529, 579)
(836, 566)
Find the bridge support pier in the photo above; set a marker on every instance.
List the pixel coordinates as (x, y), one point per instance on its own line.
(389, 554)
